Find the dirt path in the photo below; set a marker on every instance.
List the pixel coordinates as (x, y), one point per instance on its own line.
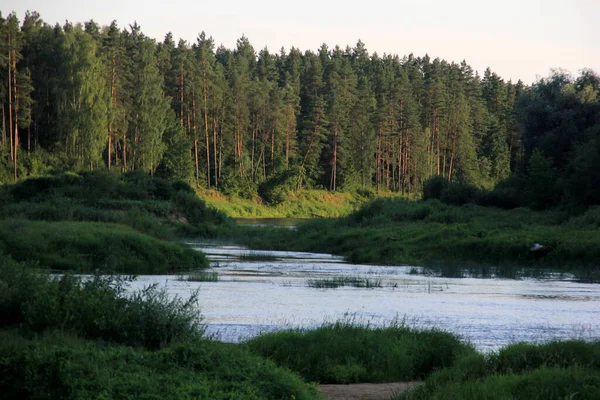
(366, 391)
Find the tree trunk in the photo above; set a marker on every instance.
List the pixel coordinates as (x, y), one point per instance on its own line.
(196, 159)
(215, 152)
(10, 102)
(181, 93)
(112, 102)
(206, 136)
(334, 163)
(3, 126)
(16, 99)
(273, 150)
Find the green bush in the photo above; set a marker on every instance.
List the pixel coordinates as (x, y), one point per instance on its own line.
(459, 193)
(98, 307)
(520, 357)
(276, 189)
(434, 187)
(540, 384)
(61, 367)
(89, 246)
(344, 352)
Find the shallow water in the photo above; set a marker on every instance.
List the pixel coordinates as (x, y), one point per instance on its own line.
(260, 296)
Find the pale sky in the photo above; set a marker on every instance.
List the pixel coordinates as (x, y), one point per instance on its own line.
(518, 39)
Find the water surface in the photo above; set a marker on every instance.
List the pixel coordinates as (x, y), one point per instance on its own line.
(260, 296)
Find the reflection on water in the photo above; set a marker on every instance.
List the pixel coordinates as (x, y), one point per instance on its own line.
(260, 296)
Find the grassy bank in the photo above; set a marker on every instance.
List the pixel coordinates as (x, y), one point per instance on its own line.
(396, 232)
(88, 246)
(72, 338)
(344, 352)
(347, 353)
(553, 371)
(306, 204)
(127, 223)
(66, 338)
(152, 206)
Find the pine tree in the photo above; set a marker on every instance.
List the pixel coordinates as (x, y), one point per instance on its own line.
(82, 98)
(149, 106)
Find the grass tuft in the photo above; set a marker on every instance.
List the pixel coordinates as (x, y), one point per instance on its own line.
(341, 281)
(344, 352)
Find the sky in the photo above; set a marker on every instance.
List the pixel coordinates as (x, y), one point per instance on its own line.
(518, 39)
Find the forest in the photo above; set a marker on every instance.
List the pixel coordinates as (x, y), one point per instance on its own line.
(250, 123)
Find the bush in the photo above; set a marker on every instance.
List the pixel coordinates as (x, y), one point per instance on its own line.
(520, 357)
(95, 308)
(457, 192)
(344, 352)
(276, 189)
(58, 366)
(89, 246)
(433, 187)
(555, 370)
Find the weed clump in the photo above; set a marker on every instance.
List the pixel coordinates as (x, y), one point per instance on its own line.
(344, 352)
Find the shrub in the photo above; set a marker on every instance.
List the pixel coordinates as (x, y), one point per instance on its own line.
(61, 367)
(96, 308)
(433, 187)
(275, 190)
(344, 352)
(457, 192)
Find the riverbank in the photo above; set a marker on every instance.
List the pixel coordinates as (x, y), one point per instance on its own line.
(448, 239)
(130, 223)
(69, 338)
(305, 204)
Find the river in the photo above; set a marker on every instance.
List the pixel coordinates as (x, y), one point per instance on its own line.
(253, 296)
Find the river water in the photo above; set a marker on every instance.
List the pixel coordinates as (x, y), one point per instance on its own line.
(251, 297)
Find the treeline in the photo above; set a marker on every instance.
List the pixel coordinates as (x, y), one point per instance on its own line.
(82, 96)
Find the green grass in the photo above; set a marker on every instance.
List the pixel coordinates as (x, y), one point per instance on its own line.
(94, 308)
(540, 384)
(345, 352)
(153, 206)
(90, 246)
(306, 204)
(126, 223)
(432, 234)
(74, 338)
(555, 370)
(201, 276)
(341, 281)
(61, 367)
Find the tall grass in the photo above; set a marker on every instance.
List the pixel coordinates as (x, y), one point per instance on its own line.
(340, 281)
(201, 276)
(150, 205)
(94, 308)
(306, 204)
(430, 233)
(555, 370)
(256, 257)
(344, 352)
(58, 366)
(73, 338)
(88, 246)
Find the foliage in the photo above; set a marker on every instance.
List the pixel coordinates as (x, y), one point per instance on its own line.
(71, 338)
(97, 307)
(152, 205)
(344, 352)
(554, 370)
(431, 233)
(90, 246)
(258, 125)
(341, 281)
